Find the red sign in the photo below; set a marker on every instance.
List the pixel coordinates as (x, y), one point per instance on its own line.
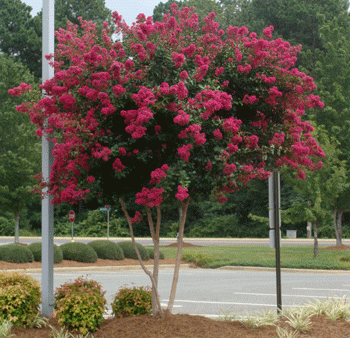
(71, 216)
(107, 206)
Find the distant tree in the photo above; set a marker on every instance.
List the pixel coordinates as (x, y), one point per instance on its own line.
(319, 192)
(19, 148)
(21, 34)
(333, 74)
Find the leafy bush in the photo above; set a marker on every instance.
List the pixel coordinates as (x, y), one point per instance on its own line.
(79, 252)
(129, 251)
(132, 302)
(80, 305)
(151, 253)
(197, 258)
(19, 298)
(218, 226)
(35, 248)
(107, 250)
(7, 227)
(14, 253)
(95, 225)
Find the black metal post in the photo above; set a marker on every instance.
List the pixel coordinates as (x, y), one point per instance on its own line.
(277, 198)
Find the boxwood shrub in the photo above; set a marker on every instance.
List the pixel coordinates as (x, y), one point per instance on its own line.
(79, 252)
(151, 253)
(107, 249)
(14, 253)
(35, 248)
(129, 251)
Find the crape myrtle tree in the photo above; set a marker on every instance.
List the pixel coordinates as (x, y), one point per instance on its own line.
(171, 114)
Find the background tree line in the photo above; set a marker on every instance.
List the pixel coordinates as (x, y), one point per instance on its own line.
(320, 26)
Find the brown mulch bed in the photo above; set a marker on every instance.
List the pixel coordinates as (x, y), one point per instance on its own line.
(336, 247)
(70, 264)
(184, 245)
(187, 326)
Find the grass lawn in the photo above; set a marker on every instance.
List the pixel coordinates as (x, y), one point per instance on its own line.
(213, 256)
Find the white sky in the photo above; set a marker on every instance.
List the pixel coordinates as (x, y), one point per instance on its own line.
(129, 9)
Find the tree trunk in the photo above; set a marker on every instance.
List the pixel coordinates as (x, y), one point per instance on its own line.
(17, 228)
(178, 255)
(309, 230)
(309, 224)
(155, 294)
(315, 240)
(155, 239)
(337, 222)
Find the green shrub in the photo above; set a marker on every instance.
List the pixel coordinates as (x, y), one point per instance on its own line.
(14, 253)
(80, 305)
(345, 259)
(132, 302)
(7, 227)
(129, 251)
(107, 250)
(79, 252)
(197, 258)
(20, 298)
(35, 248)
(151, 253)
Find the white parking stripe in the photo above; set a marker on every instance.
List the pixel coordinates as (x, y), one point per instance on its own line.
(225, 303)
(283, 295)
(316, 289)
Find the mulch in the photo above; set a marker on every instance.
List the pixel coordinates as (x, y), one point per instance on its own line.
(336, 247)
(184, 245)
(188, 326)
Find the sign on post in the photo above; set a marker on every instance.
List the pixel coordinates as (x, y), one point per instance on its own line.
(71, 216)
(106, 209)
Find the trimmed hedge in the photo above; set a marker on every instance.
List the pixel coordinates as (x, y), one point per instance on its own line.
(79, 252)
(129, 251)
(14, 253)
(107, 250)
(151, 253)
(35, 248)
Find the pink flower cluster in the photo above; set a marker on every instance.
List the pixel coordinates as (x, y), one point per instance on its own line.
(137, 218)
(158, 174)
(21, 89)
(182, 193)
(150, 197)
(250, 99)
(184, 152)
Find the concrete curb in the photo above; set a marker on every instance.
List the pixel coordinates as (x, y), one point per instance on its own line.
(99, 268)
(290, 270)
(174, 239)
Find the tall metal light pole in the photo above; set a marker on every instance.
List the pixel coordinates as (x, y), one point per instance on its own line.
(47, 161)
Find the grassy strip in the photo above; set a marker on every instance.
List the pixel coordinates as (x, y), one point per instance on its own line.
(301, 257)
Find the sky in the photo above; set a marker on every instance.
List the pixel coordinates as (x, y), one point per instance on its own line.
(129, 9)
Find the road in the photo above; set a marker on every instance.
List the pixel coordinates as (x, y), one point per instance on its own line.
(222, 292)
(197, 241)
